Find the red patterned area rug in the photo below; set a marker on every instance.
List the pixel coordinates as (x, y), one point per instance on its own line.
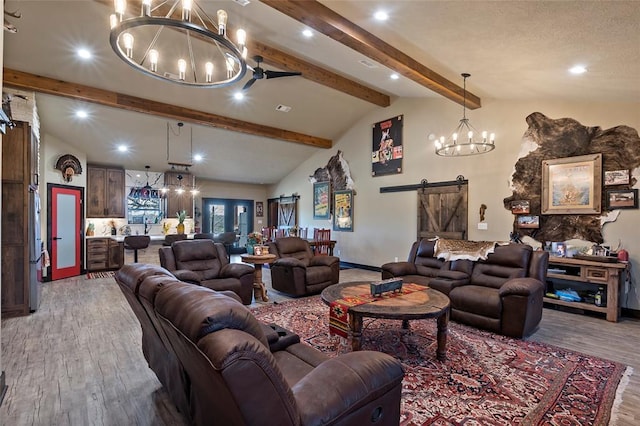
(95, 275)
(487, 379)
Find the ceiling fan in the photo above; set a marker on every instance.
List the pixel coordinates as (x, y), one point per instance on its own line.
(259, 73)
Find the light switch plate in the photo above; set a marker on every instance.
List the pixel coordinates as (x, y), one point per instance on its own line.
(483, 226)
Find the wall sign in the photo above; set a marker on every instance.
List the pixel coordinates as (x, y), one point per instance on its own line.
(386, 153)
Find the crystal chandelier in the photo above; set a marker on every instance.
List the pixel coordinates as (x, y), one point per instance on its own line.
(163, 42)
(457, 145)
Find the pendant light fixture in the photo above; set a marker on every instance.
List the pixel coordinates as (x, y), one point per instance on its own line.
(465, 139)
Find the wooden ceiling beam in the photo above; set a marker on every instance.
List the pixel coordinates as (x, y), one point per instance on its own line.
(27, 81)
(331, 24)
(288, 62)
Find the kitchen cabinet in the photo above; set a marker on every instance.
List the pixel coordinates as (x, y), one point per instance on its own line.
(175, 201)
(104, 253)
(105, 192)
(20, 148)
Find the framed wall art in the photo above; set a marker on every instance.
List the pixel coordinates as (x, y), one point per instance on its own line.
(343, 211)
(386, 151)
(520, 207)
(321, 200)
(572, 185)
(259, 209)
(616, 177)
(530, 222)
(622, 199)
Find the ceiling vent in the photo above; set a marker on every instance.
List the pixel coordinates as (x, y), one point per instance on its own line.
(283, 108)
(242, 2)
(368, 64)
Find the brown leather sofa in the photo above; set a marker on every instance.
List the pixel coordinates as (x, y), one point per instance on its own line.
(503, 293)
(297, 271)
(238, 371)
(206, 263)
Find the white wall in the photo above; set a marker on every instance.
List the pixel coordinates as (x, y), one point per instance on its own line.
(385, 224)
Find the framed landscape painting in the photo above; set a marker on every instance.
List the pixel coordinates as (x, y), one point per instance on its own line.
(321, 200)
(572, 185)
(343, 211)
(622, 199)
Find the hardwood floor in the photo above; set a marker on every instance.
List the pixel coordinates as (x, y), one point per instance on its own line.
(77, 360)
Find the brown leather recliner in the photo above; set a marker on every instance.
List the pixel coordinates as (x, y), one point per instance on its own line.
(155, 346)
(140, 285)
(297, 271)
(205, 263)
(422, 267)
(236, 379)
(503, 293)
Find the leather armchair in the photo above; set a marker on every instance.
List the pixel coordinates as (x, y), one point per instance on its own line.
(237, 378)
(505, 292)
(297, 271)
(205, 263)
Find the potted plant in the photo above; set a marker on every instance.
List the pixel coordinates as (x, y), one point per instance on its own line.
(181, 215)
(253, 239)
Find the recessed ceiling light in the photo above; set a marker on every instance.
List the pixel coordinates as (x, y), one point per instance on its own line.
(197, 157)
(123, 148)
(578, 69)
(307, 33)
(238, 95)
(81, 113)
(381, 15)
(394, 76)
(84, 53)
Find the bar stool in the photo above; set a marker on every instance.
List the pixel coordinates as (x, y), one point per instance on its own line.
(135, 243)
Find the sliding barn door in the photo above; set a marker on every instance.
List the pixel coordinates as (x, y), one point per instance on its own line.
(442, 212)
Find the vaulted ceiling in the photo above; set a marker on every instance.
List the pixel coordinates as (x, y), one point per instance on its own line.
(514, 51)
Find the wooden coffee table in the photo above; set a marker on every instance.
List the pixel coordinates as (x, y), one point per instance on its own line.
(259, 289)
(417, 305)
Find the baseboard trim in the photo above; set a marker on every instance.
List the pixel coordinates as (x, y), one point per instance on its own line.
(3, 387)
(631, 313)
(349, 265)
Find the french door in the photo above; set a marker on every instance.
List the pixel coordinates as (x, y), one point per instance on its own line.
(228, 215)
(65, 230)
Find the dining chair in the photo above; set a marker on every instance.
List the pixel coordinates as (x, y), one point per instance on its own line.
(322, 238)
(280, 233)
(302, 233)
(268, 233)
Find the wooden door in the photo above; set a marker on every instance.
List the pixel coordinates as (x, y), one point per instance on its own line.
(442, 211)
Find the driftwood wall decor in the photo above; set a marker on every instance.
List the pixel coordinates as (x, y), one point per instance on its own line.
(561, 138)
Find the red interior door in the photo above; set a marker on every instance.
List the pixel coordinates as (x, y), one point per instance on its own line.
(65, 231)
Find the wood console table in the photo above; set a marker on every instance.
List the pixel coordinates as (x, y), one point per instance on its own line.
(609, 275)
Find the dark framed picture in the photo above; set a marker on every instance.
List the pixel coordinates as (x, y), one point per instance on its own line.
(530, 222)
(321, 200)
(616, 177)
(386, 151)
(259, 209)
(559, 249)
(622, 199)
(343, 211)
(572, 185)
(520, 207)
